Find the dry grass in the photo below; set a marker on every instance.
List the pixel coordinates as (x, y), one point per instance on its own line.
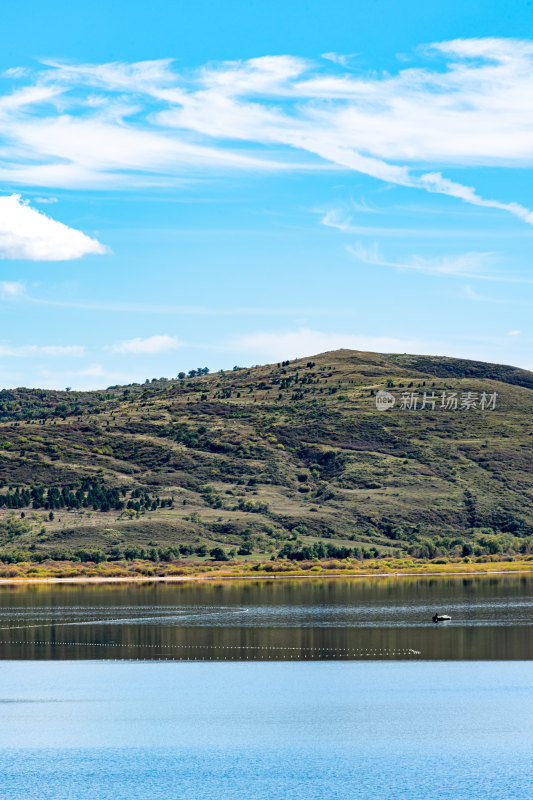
(27, 571)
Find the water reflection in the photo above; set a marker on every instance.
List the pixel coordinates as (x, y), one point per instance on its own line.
(386, 618)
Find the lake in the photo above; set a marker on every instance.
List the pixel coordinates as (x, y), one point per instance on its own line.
(253, 690)
(359, 618)
(321, 730)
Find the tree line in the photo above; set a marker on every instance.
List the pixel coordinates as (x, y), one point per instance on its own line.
(88, 493)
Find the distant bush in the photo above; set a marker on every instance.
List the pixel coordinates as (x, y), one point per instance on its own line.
(218, 554)
(14, 527)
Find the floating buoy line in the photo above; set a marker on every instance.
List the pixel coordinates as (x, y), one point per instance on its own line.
(162, 616)
(262, 651)
(346, 653)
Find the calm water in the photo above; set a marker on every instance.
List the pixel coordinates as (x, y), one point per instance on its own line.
(358, 619)
(304, 690)
(322, 730)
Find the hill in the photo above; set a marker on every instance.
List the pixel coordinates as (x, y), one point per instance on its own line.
(292, 457)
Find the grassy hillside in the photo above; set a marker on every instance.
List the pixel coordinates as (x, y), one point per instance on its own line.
(275, 458)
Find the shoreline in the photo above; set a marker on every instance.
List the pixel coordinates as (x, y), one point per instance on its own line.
(87, 579)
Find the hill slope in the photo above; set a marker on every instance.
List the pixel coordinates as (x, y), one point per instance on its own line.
(274, 457)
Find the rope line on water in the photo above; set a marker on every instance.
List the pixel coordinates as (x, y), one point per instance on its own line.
(334, 652)
(182, 616)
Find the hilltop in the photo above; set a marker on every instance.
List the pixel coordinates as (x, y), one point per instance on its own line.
(292, 457)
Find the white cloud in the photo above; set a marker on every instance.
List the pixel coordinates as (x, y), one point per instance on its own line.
(363, 207)
(28, 350)
(12, 289)
(15, 72)
(341, 222)
(339, 58)
(263, 346)
(152, 345)
(513, 333)
(93, 371)
(110, 124)
(277, 346)
(92, 376)
(29, 234)
(463, 265)
(19, 290)
(470, 294)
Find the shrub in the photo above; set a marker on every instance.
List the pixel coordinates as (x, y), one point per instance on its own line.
(218, 554)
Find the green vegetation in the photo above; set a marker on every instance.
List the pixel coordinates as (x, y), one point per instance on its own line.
(146, 570)
(289, 464)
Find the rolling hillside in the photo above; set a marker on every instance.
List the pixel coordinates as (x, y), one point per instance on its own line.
(275, 458)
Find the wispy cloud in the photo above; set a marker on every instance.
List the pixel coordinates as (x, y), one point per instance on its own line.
(341, 220)
(471, 294)
(150, 346)
(29, 350)
(18, 292)
(92, 376)
(469, 104)
(303, 342)
(93, 371)
(472, 265)
(362, 207)
(26, 233)
(339, 58)
(306, 342)
(12, 289)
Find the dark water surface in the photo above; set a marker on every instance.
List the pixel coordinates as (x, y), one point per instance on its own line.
(350, 692)
(361, 618)
(344, 730)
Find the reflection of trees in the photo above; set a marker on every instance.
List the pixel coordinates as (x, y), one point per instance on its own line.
(207, 621)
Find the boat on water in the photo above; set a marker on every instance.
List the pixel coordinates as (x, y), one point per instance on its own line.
(440, 617)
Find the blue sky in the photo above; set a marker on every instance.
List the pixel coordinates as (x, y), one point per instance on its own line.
(236, 183)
